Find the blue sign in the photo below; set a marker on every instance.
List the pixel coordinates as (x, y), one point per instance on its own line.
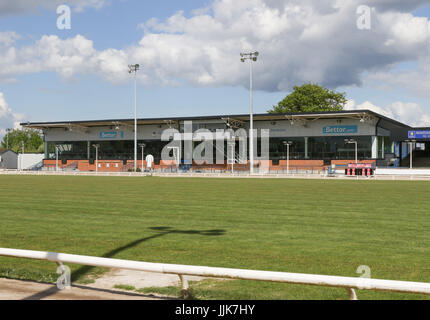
(422, 134)
(111, 135)
(340, 129)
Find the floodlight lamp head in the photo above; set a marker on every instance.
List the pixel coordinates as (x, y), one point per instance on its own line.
(242, 59)
(254, 59)
(256, 53)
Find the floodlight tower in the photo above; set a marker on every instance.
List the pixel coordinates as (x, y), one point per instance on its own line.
(134, 68)
(251, 56)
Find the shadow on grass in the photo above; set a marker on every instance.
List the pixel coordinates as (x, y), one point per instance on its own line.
(162, 231)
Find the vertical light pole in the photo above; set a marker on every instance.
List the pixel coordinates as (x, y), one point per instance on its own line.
(56, 157)
(142, 145)
(411, 142)
(251, 56)
(134, 68)
(231, 144)
(288, 144)
(350, 141)
(97, 146)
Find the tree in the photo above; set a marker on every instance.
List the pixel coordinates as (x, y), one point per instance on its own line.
(33, 141)
(311, 98)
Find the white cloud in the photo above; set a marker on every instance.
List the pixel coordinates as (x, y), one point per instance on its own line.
(396, 5)
(406, 112)
(8, 119)
(13, 7)
(414, 79)
(299, 41)
(8, 38)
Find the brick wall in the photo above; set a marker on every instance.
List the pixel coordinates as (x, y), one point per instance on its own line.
(345, 162)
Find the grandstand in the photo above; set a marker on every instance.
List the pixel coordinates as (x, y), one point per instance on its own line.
(317, 142)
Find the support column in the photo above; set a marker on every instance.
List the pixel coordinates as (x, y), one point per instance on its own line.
(306, 147)
(374, 147)
(88, 150)
(45, 149)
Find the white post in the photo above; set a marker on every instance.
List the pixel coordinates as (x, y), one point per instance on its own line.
(97, 159)
(374, 147)
(142, 156)
(288, 158)
(356, 152)
(232, 151)
(410, 165)
(251, 123)
(56, 158)
(22, 143)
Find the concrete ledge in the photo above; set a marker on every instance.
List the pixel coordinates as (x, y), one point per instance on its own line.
(401, 171)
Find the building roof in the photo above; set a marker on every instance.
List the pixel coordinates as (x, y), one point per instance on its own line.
(354, 114)
(2, 151)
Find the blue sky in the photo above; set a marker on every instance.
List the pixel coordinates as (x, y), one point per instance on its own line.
(43, 93)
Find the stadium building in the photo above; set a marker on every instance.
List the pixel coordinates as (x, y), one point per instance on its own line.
(318, 140)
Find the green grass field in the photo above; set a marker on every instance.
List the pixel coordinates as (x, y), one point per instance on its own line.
(306, 226)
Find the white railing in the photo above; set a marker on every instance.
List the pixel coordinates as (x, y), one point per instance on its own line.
(349, 283)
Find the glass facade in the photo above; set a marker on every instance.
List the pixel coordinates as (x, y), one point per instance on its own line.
(321, 148)
(302, 148)
(108, 150)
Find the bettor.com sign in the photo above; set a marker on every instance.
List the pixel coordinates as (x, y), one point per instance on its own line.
(111, 135)
(340, 129)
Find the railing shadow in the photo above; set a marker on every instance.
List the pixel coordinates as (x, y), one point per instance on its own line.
(162, 231)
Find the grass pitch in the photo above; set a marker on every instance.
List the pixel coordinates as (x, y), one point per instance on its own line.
(305, 226)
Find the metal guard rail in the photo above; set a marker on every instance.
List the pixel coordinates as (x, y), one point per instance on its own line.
(349, 283)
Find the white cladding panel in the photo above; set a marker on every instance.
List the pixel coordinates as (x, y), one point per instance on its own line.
(146, 132)
(284, 128)
(29, 160)
(318, 128)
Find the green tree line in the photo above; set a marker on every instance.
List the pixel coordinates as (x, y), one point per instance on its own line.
(310, 97)
(33, 141)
